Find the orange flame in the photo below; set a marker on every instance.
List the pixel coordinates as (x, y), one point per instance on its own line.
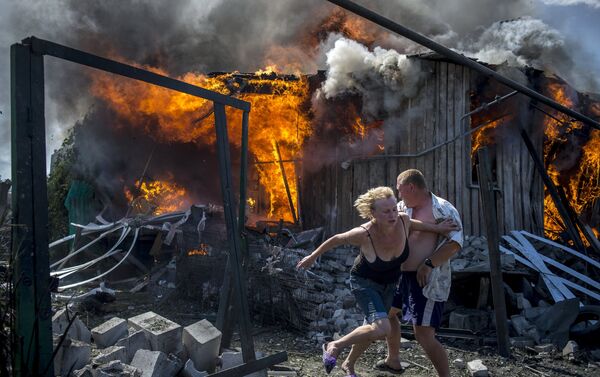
(582, 185)
(276, 116)
(203, 249)
(158, 197)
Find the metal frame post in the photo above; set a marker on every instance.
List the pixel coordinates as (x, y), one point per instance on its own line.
(33, 323)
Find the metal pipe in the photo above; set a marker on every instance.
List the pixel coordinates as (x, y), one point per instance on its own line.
(487, 105)
(459, 58)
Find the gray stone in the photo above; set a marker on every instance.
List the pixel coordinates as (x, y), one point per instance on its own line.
(117, 369)
(164, 335)
(110, 354)
(108, 333)
(531, 314)
(87, 371)
(521, 342)
(570, 348)
(156, 364)
(459, 363)
(522, 302)
(477, 369)
(459, 264)
(73, 355)
(202, 340)
(521, 325)
(406, 344)
(554, 323)
(546, 348)
(189, 370)
(77, 331)
(469, 319)
(134, 342)
(232, 359)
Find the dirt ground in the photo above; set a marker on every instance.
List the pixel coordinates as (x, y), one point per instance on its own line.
(304, 355)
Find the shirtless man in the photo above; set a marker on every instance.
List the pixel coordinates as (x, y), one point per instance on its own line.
(425, 281)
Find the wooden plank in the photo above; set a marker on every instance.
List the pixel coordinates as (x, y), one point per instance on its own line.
(450, 127)
(440, 155)
(562, 247)
(348, 199)
(477, 227)
(529, 252)
(566, 282)
(488, 205)
(359, 185)
(462, 171)
(377, 173)
(517, 171)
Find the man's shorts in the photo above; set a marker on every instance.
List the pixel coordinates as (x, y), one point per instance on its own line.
(416, 308)
(374, 299)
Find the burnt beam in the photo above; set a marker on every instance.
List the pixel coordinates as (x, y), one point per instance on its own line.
(44, 47)
(460, 59)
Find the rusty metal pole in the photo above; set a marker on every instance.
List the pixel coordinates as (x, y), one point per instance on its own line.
(488, 206)
(459, 58)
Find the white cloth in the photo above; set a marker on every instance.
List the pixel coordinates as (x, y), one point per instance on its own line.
(440, 278)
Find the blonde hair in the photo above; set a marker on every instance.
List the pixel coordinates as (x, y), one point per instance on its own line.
(413, 176)
(365, 204)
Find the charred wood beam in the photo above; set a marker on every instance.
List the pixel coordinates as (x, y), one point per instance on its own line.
(488, 207)
(44, 47)
(285, 183)
(561, 205)
(460, 59)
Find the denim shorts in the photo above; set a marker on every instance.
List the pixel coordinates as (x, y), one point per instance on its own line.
(373, 298)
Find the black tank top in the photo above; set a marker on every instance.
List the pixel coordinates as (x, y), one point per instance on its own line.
(380, 271)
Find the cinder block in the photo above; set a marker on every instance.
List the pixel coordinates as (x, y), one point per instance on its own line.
(117, 369)
(189, 370)
(164, 335)
(134, 342)
(156, 364)
(109, 354)
(77, 331)
(73, 355)
(202, 340)
(108, 333)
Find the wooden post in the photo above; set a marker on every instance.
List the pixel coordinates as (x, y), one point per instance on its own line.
(488, 208)
(33, 323)
(285, 182)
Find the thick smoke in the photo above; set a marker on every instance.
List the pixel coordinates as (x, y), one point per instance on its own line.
(245, 35)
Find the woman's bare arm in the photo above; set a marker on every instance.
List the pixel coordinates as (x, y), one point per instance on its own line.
(352, 237)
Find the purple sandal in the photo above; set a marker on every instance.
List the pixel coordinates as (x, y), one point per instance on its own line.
(329, 360)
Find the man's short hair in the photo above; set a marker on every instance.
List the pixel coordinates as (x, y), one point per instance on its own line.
(412, 176)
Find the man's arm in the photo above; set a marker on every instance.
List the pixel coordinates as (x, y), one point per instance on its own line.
(441, 256)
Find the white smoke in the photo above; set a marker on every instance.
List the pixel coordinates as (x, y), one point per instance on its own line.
(591, 3)
(382, 77)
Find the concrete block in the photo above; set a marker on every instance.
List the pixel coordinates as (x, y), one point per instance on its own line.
(477, 369)
(134, 342)
(108, 333)
(117, 369)
(77, 331)
(232, 359)
(156, 364)
(164, 335)
(469, 319)
(459, 363)
(189, 370)
(570, 348)
(109, 354)
(72, 356)
(202, 340)
(87, 371)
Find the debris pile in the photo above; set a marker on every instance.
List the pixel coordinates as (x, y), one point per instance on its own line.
(145, 345)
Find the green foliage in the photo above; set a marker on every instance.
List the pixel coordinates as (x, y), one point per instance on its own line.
(59, 181)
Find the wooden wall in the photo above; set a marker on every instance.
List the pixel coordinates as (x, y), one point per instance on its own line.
(432, 117)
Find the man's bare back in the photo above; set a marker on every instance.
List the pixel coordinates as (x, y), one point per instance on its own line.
(421, 244)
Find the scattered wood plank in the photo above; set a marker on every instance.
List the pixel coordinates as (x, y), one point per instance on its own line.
(563, 247)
